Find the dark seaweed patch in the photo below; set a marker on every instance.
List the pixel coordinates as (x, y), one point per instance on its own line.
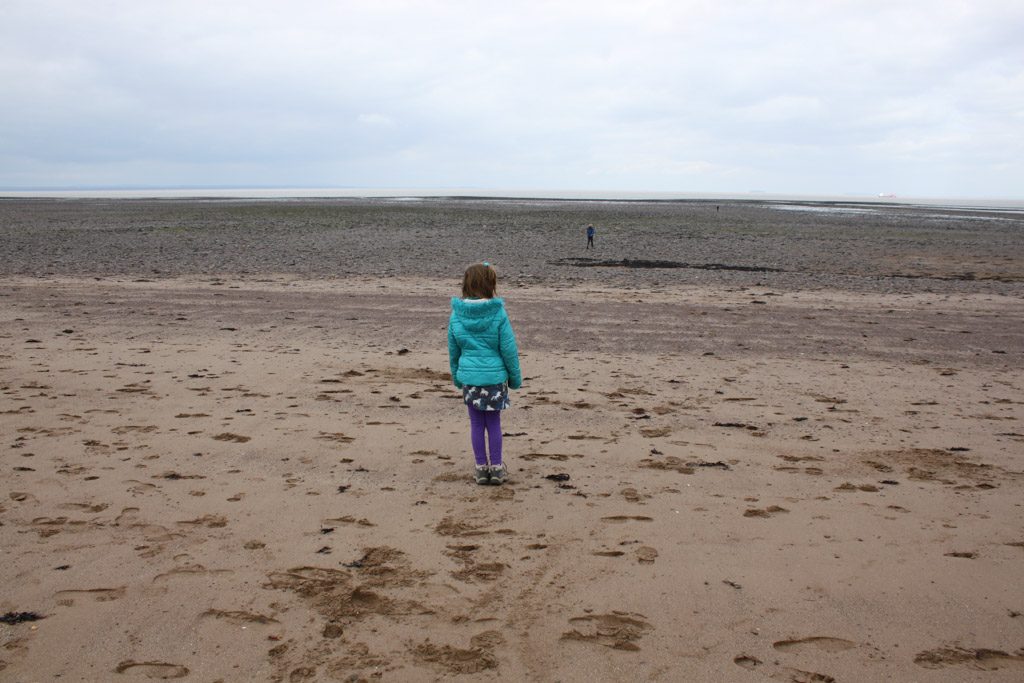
(582, 262)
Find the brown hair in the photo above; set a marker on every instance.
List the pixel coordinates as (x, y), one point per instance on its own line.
(479, 282)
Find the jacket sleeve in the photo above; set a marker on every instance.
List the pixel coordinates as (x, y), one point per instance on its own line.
(454, 353)
(510, 354)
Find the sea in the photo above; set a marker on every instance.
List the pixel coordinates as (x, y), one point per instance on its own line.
(794, 201)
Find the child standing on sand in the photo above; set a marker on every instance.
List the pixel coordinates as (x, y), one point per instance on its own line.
(484, 361)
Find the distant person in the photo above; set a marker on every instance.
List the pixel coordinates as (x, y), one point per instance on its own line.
(484, 362)
(590, 236)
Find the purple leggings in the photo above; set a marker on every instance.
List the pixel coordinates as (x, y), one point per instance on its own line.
(479, 421)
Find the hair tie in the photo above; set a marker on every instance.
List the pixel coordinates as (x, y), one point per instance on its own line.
(487, 264)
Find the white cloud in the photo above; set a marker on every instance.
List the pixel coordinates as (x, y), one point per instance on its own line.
(375, 120)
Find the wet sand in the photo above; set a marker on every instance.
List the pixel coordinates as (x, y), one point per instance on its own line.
(263, 474)
(873, 248)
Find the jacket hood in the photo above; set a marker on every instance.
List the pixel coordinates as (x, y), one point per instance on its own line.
(478, 314)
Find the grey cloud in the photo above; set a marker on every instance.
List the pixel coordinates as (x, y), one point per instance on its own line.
(785, 96)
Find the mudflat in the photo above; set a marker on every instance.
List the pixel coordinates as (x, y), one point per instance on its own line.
(859, 247)
(753, 443)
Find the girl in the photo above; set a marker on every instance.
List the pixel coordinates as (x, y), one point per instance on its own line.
(485, 365)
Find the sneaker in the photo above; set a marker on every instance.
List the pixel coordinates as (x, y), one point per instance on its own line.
(499, 474)
(482, 474)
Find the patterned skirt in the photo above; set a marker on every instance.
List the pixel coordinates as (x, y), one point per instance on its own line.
(491, 397)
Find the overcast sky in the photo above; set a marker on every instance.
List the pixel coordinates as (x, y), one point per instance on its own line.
(827, 97)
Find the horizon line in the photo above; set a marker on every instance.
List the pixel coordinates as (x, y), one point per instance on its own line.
(379, 192)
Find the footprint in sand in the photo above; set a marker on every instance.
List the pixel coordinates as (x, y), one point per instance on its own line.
(153, 670)
(49, 526)
(177, 476)
(781, 673)
(191, 570)
(560, 457)
(85, 507)
(98, 594)
(479, 657)
(770, 511)
(814, 471)
(747, 662)
(668, 463)
(646, 554)
(847, 486)
(801, 458)
(963, 554)
(347, 519)
(633, 496)
(138, 429)
(984, 659)
(234, 438)
(452, 527)
(239, 617)
(618, 519)
(824, 643)
(208, 521)
(485, 572)
(618, 630)
(335, 437)
(140, 487)
(128, 516)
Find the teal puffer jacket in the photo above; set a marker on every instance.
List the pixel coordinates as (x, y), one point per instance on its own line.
(481, 347)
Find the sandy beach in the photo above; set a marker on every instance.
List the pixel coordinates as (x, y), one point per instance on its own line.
(753, 444)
